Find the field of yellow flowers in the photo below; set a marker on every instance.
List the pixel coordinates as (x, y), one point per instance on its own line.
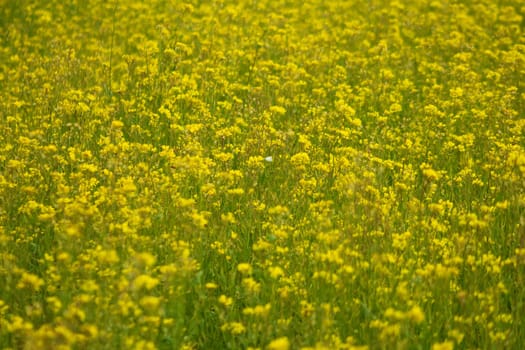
(262, 174)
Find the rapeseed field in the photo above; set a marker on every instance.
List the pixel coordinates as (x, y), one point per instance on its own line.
(262, 174)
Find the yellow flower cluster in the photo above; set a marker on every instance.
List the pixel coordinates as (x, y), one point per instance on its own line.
(342, 174)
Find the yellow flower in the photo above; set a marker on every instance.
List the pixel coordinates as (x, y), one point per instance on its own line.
(54, 304)
(395, 108)
(237, 328)
(30, 281)
(416, 314)
(211, 285)
(446, 345)
(228, 218)
(250, 285)
(145, 259)
(226, 301)
(279, 344)
(150, 303)
(117, 124)
(278, 110)
(145, 282)
(245, 268)
(276, 272)
(300, 160)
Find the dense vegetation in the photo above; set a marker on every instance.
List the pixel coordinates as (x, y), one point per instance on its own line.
(262, 174)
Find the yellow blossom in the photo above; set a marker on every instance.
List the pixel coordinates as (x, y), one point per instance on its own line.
(245, 268)
(279, 344)
(145, 282)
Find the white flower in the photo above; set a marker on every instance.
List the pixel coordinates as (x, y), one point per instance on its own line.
(269, 159)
